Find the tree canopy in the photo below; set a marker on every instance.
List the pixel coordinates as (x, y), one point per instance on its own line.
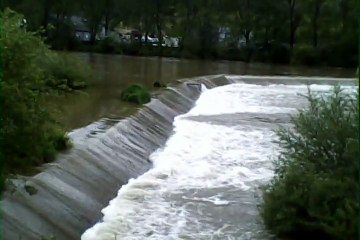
(316, 30)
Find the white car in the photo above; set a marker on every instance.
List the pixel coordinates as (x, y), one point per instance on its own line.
(153, 41)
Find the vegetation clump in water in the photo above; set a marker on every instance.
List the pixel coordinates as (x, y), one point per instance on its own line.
(30, 136)
(314, 193)
(136, 93)
(65, 72)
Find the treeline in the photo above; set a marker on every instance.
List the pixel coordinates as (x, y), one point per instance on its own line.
(312, 32)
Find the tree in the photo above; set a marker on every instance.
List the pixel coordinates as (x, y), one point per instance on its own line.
(313, 28)
(93, 12)
(315, 17)
(318, 154)
(30, 135)
(294, 20)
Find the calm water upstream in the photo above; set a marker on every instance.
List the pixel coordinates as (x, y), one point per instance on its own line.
(115, 72)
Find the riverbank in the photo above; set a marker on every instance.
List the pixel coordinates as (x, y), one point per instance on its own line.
(274, 53)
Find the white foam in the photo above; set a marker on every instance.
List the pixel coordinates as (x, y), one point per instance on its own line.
(199, 157)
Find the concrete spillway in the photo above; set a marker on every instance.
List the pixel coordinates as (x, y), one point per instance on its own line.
(71, 192)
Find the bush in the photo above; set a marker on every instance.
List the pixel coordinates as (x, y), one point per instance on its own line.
(342, 53)
(272, 52)
(306, 55)
(234, 54)
(130, 48)
(107, 45)
(136, 93)
(314, 193)
(30, 136)
(65, 72)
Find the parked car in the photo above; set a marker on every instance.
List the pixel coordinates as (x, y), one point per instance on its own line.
(153, 41)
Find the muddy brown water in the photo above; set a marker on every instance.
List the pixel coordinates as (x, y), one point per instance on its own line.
(115, 72)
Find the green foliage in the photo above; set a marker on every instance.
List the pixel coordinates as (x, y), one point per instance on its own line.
(30, 135)
(329, 26)
(108, 45)
(65, 72)
(136, 93)
(48, 238)
(314, 193)
(306, 55)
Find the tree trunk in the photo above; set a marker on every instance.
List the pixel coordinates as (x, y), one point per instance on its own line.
(146, 37)
(266, 40)
(93, 34)
(160, 37)
(315, 23)
(292, 35)
(107, 24)
(46, 17)
(145, 29)
(159, 25)
(247, 37)
(186, 25)
(344, 9)
(292, 26)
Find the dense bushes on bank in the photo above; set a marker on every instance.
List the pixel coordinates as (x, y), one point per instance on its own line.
(335, 55)
(30, 135)
(314, 194)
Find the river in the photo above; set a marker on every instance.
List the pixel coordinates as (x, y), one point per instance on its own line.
(188, 165)
(205, 182)
(115, 72)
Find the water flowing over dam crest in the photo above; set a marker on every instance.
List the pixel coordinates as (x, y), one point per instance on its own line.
(195, 157)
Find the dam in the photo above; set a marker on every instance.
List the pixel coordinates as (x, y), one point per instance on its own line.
(188, 165)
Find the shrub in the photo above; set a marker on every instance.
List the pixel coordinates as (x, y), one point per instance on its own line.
(234, 54)
(130, 48)
(306, 55)
(107, 45)
(65, 72)
(314, 193)
(272, 52)
(136, 93)
(342, 53)
(30, 135)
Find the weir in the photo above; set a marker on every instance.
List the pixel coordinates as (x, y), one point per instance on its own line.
(68, 196)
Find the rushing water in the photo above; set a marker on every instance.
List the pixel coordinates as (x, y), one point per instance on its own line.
(205, 181)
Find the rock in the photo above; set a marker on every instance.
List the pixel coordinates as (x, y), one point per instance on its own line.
(158, 84)
(30, 189)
